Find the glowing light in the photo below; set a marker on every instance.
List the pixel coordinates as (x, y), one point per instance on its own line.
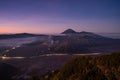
(7, 58)
(13, 48)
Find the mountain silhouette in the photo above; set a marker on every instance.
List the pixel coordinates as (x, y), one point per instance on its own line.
(82, 34)
(69, 31)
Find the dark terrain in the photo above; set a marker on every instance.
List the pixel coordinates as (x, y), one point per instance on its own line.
(20, 35)
(106, 67)
(70, 43)
(48, 53)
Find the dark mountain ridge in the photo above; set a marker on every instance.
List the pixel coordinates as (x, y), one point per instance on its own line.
(20, 35)
(71, 32)
(83, 42)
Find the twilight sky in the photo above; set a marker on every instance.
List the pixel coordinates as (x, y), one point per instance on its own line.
(54, 16)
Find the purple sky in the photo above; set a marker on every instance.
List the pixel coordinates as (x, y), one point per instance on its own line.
(54, 16)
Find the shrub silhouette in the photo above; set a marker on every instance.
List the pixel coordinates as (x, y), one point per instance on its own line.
(106, 67)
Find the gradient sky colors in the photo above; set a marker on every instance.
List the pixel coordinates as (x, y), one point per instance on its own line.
(54, 16)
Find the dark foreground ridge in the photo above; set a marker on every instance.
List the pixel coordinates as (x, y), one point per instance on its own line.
(106, 67)
(7, 71)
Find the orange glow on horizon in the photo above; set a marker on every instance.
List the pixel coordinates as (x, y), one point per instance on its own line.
(5, 30)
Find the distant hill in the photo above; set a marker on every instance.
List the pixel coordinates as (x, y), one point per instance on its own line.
(90, 34)
(20, 35)
(83, 42)
(82, 33)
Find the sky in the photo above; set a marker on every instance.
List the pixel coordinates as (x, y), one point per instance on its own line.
(55, 16)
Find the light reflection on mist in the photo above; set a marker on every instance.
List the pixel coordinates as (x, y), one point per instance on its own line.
(18, 41)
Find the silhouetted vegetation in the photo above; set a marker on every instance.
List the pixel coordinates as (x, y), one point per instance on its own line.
(106, 67)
